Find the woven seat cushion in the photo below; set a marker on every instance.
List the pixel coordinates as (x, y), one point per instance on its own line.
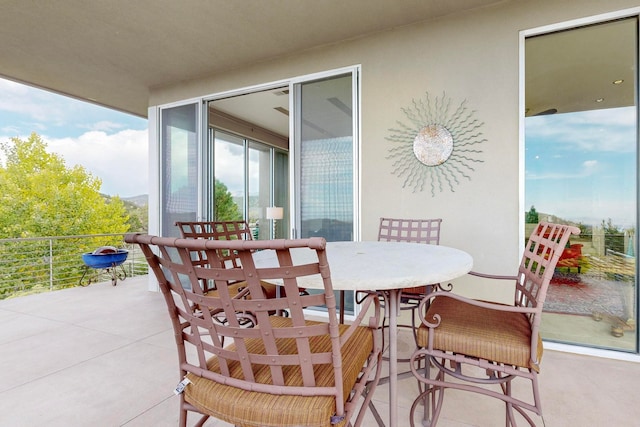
(270, 290)
(420, 290)
(248, 408)
(233, 290)
(493, 335)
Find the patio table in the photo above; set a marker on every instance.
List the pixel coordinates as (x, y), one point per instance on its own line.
(384, 267)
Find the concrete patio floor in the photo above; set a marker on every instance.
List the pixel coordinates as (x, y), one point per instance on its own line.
(105, 356)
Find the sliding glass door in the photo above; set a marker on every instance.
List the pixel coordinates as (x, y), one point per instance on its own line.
(229, 173)
(326, 171)
(178, 166)
(247, 174)
(581, 167)
(325, 158)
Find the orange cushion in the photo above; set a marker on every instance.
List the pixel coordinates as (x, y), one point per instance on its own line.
(270, 290)
(249, 408)
(493, 335)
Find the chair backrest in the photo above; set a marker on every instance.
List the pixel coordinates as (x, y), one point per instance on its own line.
(217, 230)
(199, 337)
(410, 230)
(541, 254)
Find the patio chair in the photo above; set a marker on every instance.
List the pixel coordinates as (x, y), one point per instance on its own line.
(287, 371)
(222, 230)
(426, 231)
(480, 344)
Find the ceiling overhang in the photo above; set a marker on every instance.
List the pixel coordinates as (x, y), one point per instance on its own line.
(114, 53)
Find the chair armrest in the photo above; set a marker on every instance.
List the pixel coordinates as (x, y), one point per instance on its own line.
(374, 319)
(492, 276)
(449, 286)
(470, 301)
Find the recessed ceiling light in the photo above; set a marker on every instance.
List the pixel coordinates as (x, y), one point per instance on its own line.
(618, 82)
(599, 99)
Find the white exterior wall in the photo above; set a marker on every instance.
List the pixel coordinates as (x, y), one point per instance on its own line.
(472, 56)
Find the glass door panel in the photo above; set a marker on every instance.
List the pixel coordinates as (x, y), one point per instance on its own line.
(179, 167)
(251, 138)
(581, 158)
(259, 180)
(325, 165)
(325, 162)
(230, 184)
(281, 192)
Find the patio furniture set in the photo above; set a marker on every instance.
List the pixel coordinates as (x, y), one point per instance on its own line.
(250, 355)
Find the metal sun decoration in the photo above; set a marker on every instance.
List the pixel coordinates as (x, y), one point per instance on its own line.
(440, 140)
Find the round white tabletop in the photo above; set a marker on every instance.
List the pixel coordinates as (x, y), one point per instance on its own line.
(379, 266)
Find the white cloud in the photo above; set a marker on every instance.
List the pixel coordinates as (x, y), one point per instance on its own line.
(611, 130)
(120, 160)
(622, 212)
(105, 126)
(34, 103)
(230, 169)
(589, 168)
(111, 145)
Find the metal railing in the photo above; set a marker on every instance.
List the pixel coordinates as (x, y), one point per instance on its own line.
(42, 264)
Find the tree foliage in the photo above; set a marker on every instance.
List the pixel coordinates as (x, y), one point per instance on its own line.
(532, 216)
(138, 216)
(41, 196)
(613, 236)
(226, 208)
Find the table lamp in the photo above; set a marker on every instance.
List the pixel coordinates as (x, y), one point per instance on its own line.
(275, 213)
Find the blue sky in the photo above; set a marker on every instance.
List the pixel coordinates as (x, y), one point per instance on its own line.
(582, 166)
(111, 145)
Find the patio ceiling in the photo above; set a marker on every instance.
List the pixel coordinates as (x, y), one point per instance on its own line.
(114, 52)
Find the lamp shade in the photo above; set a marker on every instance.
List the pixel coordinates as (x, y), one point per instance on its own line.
(275, 213)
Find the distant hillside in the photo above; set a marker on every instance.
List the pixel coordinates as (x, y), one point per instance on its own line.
(141, 200)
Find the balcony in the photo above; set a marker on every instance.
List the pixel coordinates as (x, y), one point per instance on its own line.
(104, 355)
(40, 264)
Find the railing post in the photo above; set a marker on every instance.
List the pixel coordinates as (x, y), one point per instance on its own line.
(133, 260)
(50, 264)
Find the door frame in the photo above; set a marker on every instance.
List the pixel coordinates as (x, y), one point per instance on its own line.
(546, 29)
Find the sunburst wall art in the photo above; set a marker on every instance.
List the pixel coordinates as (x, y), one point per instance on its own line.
(439, 145)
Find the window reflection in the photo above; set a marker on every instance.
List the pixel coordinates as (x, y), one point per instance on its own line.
(581, 161)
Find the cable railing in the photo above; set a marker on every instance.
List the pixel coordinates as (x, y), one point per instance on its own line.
(43, 264)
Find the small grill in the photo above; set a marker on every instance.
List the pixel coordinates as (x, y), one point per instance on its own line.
(105, 259)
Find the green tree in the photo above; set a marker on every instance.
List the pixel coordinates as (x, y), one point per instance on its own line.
(613, 236)
(226, 208)
(41, 197)
(532, 216)
(138, 216)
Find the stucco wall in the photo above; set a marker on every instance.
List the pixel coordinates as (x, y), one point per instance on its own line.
(473, 57)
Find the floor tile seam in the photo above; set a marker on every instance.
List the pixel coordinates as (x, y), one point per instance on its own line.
(118, 335)
(36, 332)
(16, 310)
(130, 420)
(62, 324)
(35, 315)
(155, 334)
(130, 339)
(71, 366)
(82, 325)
